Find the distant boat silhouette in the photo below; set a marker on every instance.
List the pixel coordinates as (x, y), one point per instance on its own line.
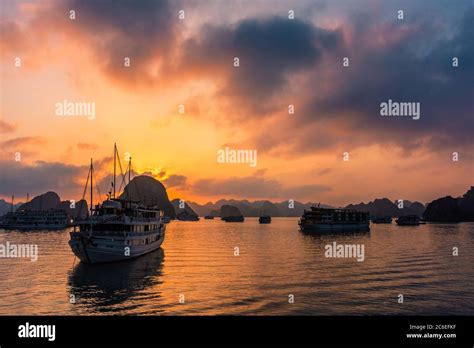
(408, 220)
(233, 218)
(186, 216)
(322, 220)
(25, 218)
(382, 220)
(52, 219)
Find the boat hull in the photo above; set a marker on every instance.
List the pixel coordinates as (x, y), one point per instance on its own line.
(382, 221)
(33, 227)
(103, 250)
(187, 218)
(334, 227)
(408, 220)
(233, 219)
(408, 223)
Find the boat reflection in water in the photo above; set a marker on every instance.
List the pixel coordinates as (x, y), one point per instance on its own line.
(107, 287)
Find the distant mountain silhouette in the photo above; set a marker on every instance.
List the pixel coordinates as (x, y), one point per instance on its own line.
(51, 200)
(215, 213)
(296, 209)
(379, 207)
(416, 208)
(254, 209)
(268, 208)
(385, 207)
(45, 201)
(187, 210)
(150, 192)
(449, 209)
(229, 210)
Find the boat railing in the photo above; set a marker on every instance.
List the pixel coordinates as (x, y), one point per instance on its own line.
(122, 233)
(141, 219)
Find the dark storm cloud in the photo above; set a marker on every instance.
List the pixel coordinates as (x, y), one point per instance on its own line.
(269, 50)
(408, 60)
(396, 72)
(402, 61)
(142, 30)
(18, 178)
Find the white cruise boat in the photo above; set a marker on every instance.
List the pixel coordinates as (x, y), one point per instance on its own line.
(326, 220)
(116, 229)
(52, 219)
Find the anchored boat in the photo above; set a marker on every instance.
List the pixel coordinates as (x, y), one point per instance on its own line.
(408, 220)
(239, 218)
(26, 219)
(323, 220)
(116, 229)
(382, 220)
(52, 219)
(187, 216)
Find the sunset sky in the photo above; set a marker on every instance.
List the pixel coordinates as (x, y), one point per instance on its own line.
(283, 61)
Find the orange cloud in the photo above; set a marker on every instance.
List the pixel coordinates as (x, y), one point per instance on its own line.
(87, 146)
(6, 127)
(24, 142)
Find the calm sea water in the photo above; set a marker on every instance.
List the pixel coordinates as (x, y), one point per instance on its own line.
(197, 261)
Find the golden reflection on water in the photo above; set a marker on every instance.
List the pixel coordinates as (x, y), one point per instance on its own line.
(198, 264)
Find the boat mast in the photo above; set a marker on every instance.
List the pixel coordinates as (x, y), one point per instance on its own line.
(115, 163)
(129, 168)
(129, 171)
(92, 185)
(13, 198)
